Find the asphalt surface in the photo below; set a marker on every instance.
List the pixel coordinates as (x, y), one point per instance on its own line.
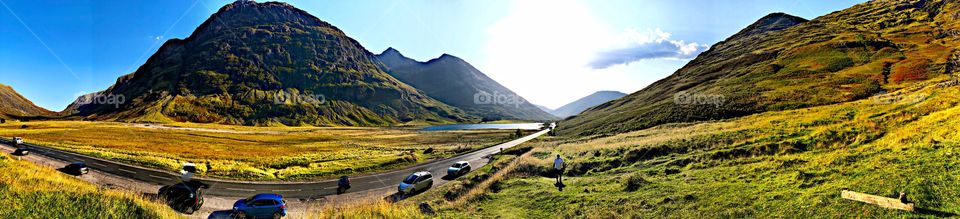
(302, 190)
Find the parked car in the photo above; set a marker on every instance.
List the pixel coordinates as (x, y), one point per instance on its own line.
(17, 140)
(261, 206)
(78, 168)
(459, 168)
(186, 197)
(419, 181)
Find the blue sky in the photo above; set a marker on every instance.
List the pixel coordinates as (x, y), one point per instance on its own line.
(546, 51)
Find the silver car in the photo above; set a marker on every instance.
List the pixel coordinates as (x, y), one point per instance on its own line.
(459, 168)
(416, 182)
(17, 140)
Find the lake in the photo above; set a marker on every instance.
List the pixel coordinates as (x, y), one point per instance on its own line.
(523, 126)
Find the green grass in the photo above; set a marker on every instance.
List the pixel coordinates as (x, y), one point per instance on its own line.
(30, 191)
(771, 165)
(256, 153)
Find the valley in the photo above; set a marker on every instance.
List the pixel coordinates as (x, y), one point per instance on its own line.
(256, 153)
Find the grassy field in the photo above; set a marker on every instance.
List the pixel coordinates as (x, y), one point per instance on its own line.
(254, 153)
(782, 164)
(30, 191)
(778, 164)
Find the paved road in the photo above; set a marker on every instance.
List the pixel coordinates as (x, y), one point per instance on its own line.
(229, 188)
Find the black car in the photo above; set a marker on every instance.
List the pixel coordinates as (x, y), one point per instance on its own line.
(77, 168)
(186, 197)
(21, 151)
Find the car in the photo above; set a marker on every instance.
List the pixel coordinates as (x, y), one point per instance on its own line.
(459, 168)
(186, 197)
(78, 168)
(21, 151)
(17, 140)
(416, 182)
(261, 206)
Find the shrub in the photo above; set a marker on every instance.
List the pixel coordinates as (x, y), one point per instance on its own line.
(634, 182)
(910, 70)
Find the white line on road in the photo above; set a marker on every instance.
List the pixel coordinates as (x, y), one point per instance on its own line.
(332, 187)
(129, 171)
(159, 177)
(249, 190)
(287, 190)
(99, 165)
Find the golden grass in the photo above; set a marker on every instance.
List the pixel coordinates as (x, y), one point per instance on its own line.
(375, 209)
(256, 153)
(30, 191)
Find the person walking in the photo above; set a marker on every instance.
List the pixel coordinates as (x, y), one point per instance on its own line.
(558, 167)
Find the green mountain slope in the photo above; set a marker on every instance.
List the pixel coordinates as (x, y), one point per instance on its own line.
(266, 64)
(782, 62)
(456, 82)
(13, 105)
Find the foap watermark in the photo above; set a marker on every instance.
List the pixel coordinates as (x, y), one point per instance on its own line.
(99, 99)
(897, 98)
(285, 97)
(684, 98)
(484, 98)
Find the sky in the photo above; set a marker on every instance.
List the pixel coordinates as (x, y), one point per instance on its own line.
(550, 52)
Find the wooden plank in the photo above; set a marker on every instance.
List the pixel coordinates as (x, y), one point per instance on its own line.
(877, 200)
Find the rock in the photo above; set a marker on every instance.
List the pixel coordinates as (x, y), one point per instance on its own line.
(426, 209)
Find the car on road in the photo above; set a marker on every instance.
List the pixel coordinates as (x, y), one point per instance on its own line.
(21, 151)
(17, 140)
(459, 168)
(78, 168)
(416, 182)
(186, 197)
(261, 206)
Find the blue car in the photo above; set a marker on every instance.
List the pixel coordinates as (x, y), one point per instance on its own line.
(261, 206)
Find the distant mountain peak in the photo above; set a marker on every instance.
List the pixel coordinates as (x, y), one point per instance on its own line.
(771, 22)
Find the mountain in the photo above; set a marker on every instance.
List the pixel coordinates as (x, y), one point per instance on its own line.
(597, 98)
(545, 109)
(456, 82)
(13, 105)
(266, 64)
(782, 62)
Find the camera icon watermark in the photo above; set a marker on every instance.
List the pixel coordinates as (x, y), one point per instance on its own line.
(99, 99)
(684, 98)
(496, 98)
(285, 97)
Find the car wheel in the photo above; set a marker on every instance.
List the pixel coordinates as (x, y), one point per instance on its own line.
(241, 215)
(188, 210)
(277, 215)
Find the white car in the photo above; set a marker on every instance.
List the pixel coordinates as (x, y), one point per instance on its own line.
(459, 168)
(418, 181)
(17, 140)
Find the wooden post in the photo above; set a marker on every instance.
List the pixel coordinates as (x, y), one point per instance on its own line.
(877, 200)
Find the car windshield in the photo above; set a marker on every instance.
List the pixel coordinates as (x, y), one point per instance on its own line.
(410, 179)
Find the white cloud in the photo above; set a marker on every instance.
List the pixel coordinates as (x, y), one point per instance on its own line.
(650, 44)
(542, 50)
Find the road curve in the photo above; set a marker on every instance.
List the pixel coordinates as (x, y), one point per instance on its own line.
(232, 188)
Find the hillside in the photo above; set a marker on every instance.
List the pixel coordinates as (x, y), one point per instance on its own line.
(456, 82)
(782, 63)
(579, 105)
(266, 64)
(13, 105)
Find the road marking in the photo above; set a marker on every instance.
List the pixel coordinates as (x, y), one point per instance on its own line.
(287, 190)
(99, 165)
(126, 171)
(332, 187)
(249, 190)
(159, 177)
